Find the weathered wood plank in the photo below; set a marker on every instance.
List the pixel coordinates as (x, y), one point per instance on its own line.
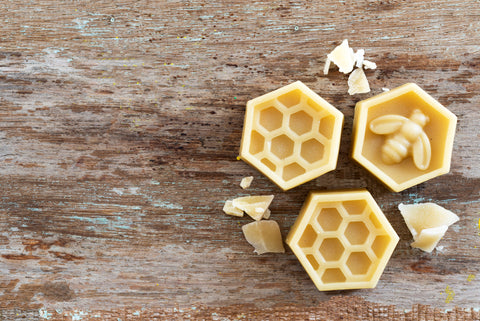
(120, 124)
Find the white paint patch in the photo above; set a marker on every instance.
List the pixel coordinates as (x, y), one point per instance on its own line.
(78, 315)
(133, 190)
(51, 64)
(44, 313)
(119, 191)
(80, 23)
(167, 204)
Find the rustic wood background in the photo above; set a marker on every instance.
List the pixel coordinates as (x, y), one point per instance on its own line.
(120, 123)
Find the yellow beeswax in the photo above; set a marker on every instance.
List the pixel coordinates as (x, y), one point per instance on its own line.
(403, 136)
(342, 239)
(291, 135)
(264, 236)
(427, 222)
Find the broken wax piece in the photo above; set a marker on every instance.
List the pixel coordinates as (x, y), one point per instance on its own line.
(427, 222)
(246, 182)
(327, 67)
(369, 64)
(394, 141)
(291, 135)
(229, 209)
(343, 57)
(342, 239)
(267, 213)
(357, 82)
(255, 206)
(359, 58)
(264, 236)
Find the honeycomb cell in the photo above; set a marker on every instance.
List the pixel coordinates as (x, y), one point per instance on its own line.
(327, 126)
(300, 122)
(282, 146)
(358, 263)
(380, 244)
(404, 136)
(355, 207)
(313, 261)
(312, 150)
(291, 98)
(284, 124)
(308, 237)
(331, 249)
(334, 275)
(356, 233)
(269, 164)
(345, 257)
(375, 221)
(291, 171)
(271, 118)
(329, 219)
(257, 142)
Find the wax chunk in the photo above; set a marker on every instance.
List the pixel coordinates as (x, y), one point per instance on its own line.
(265, 236)
(246, 182)
(229, 209)
(427, 222)
(403, 136)
(343, 57)
(357, 82)
(291, 135)
(342, 239)
(255, 206)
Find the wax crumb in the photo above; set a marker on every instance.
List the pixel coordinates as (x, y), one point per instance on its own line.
(427, 222)
(385, 89)
(369, 64)
(246, 182)
(357, 82)
(264, 236)
(229, 209)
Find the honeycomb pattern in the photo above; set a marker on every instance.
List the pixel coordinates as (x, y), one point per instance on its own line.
(291, 135)
(402, 101)
(342, 239)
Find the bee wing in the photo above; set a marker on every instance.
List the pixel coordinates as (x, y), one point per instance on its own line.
(387, 124)
(422, 152)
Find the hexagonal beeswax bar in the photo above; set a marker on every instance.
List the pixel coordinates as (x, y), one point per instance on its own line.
(403, 137)
(291, 135)
(342, 239)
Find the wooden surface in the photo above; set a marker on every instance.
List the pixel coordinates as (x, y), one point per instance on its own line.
(120, 123)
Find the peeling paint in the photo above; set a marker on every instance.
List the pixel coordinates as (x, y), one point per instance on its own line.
(44, 313)
(166, 204)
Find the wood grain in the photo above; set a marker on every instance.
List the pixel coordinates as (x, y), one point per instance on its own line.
(120, 123)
